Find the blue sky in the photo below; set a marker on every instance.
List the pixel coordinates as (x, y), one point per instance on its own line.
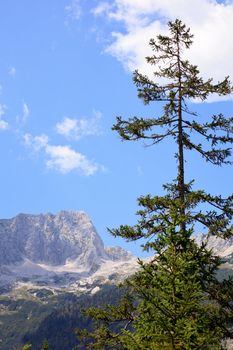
(65, 74)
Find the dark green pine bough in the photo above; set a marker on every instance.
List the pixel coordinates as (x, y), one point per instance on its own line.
(180, 305)
(44, 346)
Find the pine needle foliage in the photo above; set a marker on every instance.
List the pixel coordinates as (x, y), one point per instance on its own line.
(175, 301)
(215, 136)
(26, 347)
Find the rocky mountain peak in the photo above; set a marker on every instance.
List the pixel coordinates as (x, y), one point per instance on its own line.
(50, 239)
(56, 249)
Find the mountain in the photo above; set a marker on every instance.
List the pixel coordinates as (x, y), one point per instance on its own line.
(56, 250)
(65, 251)
(221, 247)
(50, 239)
(52, 266)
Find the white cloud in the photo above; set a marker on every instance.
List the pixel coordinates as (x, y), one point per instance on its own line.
(66, 127)
(78, 128)
(37, 143)
(63, 159)
(3, 124)
(210, 22)
(74, 10)
(26, 112)
(2, 110)
(12, 71)
(103, 7)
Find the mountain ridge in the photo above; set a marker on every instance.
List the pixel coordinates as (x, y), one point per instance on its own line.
(64, 250)
(54, 249)
(61, 265)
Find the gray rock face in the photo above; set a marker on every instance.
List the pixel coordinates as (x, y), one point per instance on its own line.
(220, 246)
(118, 253)
(50, 239)
(57, 251)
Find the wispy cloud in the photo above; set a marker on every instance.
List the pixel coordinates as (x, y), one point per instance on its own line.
(24, 115)
(37, 143)
(102, 8)
(3, 124)
(210, 21)
(12, 71)
(140, 171)
(74, 10)
(77, 128)
(2, 110)
(63, 159)
(26, 112)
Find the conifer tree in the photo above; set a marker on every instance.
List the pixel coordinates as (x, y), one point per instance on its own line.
(183, 84)
(180, 305)
(45, 345)
(26, 347)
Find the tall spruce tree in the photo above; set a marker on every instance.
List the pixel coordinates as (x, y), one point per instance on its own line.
(179, 302)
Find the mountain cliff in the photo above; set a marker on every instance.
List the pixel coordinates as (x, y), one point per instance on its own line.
(54, 249)
(50, 239)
